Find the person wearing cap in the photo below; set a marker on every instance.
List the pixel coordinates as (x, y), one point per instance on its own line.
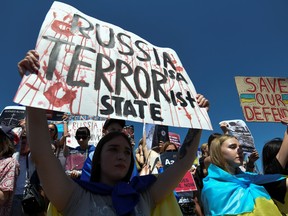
(110, 125)
(9, 170)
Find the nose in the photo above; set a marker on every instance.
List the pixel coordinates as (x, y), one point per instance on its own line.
(121, 156)
(240, 150)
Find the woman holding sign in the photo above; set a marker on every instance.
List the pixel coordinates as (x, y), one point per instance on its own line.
(237, 192)
(110, 191)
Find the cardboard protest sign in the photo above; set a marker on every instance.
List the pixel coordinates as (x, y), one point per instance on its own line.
(149, 130)
(174, 138)
(160, 136)
(186, 184)
(11, 115)
(91, 67)
(263, 99)
(95, 128)
(239, 129)
(168, 158)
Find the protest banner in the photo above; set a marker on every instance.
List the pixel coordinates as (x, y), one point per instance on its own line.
(168, 158)
(187, 183)
(160, 136)
(175, 138)
(92, 67)
(11, 115)
(95, 128)
(83, 117)
(263, 99)
(239, 129)
(148, 133)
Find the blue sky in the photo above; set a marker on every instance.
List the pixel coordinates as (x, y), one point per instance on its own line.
(215, 41)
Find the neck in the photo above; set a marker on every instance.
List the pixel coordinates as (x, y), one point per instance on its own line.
(108, 182)
(231, 169)
(84, 147)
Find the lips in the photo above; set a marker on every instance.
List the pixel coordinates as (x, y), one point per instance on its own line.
(121, 166)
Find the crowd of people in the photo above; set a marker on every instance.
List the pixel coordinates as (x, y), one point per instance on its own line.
(114, 178)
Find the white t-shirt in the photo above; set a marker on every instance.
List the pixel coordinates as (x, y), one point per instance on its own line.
(86, 203)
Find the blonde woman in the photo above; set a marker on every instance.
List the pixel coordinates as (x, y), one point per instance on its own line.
(227, 190)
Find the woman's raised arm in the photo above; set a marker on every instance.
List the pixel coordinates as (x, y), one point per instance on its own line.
(282, 155)
(57, 186)
(171, 177)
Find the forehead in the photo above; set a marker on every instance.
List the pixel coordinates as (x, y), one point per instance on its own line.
(171, 146)
(230, 141)
(118, 141)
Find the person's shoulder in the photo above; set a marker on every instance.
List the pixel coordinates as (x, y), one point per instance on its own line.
(10, 161)
(91, 148)
(274, 167)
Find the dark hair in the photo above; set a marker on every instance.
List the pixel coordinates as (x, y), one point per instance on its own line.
(212, 137)
(270, 150)
(9, 152)
(83, 131)
(96, 166)
(121, 122)
(55, 137)
(165, 146)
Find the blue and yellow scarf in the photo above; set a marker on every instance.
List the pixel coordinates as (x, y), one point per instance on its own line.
(241, 194)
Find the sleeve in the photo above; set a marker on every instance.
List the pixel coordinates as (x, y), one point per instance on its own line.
(9, 170)
(274, 167)
(168, 206)
(277, 190)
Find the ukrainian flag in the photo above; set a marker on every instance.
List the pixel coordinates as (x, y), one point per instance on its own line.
(285, 98)
(241, 194)
(247, 98)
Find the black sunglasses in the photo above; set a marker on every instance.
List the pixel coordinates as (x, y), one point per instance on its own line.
(51, 129)
(171, 150)
(81, 137)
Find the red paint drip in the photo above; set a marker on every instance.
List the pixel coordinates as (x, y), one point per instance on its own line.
(179, 69)
(32, 87)
(61, 28)
(57, 74)
(51, 92)
(189, 116)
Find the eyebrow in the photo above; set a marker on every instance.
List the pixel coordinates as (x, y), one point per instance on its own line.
(117, 145)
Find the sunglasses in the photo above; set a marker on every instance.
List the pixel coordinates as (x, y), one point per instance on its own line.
(171, 150)
(81, 137)
(51, 129)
